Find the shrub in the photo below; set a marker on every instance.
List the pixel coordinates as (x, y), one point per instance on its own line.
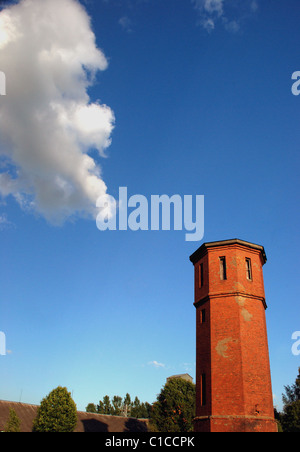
(57, 412)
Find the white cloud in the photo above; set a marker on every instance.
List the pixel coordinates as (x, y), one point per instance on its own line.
(48, 123)
(188, 367)
(254, 5)
(233, 26)
(208, 24)
(230, 13)
(3, 219)
(126, 24)
(213, 7)
(156, 364)
(210, 7)
(4, 222)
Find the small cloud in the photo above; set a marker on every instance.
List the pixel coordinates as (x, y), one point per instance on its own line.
(3, 219)
(214, 7)
(4, 222)
(226, 12)
(156, 364)
(208, 24)
(126, 24)
(254, 6)
(211, 9)
(232, 26)
(188, 367)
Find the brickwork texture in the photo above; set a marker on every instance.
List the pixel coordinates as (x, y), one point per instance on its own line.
(233, 380)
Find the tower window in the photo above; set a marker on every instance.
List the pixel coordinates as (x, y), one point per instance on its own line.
(202, 316)
(223, 271)
(200, 276)
(248, 269)
(203, 390)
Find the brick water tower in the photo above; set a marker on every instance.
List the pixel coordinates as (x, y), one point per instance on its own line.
(233, 380)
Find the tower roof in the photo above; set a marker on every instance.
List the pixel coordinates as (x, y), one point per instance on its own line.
(205, 246)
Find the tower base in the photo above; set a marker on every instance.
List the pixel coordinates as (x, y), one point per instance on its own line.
(237, 424)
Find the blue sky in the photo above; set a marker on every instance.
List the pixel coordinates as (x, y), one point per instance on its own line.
(199, 102)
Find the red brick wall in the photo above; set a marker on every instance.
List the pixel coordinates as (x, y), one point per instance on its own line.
(232, 346)
(233, 425)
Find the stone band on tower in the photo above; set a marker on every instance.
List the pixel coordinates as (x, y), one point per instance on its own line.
(233, 380)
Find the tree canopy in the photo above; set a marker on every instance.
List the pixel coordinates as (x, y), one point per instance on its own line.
(290, 418)
(57, 412)
(121, 407)
(174, 409)
(13, 423)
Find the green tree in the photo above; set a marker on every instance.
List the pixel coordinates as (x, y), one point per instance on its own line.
(91, 408)
(292, 393)
(140, 410)
(290, 419)
(57, 412)
(104, 406)
(144, 410)
(100, 407)
(278, 418)
(174, 409)
(136, 408)
(117, 405)
(127, 406)
(148, 408)
(13, 423)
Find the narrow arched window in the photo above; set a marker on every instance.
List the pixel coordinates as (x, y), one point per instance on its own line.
(223, 270)
(248, 269)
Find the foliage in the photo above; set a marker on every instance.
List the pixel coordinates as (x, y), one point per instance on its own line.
(119, 407)
(290, 418)
(174, 409)
(292, 393)
(13, 423)
(91, 408)
(278, 418)
(105, 406)
(140, 410)
(127, 406)
(57, 412)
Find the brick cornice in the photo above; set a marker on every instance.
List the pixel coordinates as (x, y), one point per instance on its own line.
(211, 296)
(200, 252)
